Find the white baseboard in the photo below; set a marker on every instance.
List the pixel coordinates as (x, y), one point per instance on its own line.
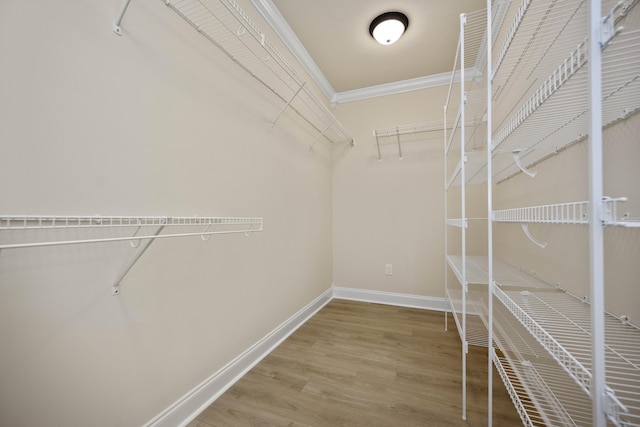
(197, 400)
(390, 298)
(188, 407)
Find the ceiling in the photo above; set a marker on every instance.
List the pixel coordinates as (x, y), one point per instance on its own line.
(331, 40)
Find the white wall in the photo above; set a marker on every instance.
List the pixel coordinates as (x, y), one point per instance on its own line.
(390, 211)
(156, 122)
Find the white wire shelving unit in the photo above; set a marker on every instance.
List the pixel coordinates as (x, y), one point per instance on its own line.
(464, 141)
(142, 231)
(561, 72)
(551, 75)
(228, 27)
(552, 45)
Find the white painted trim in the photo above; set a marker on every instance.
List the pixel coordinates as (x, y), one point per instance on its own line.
(390, 298)
(281, 27)
(187, 408)
(276, 21)
(399, 87)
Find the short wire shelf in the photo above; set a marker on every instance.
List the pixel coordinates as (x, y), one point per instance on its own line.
(566, 213)
(47, 222)
(144, 230)
(399, 135)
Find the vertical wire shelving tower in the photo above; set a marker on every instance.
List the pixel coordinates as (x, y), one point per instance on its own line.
(464, 147)
(563, 359)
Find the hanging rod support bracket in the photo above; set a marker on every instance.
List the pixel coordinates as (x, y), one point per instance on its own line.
(116, 24)
(288, 103)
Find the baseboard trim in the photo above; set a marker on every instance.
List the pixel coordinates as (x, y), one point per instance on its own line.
(183, 411)
(390, 298)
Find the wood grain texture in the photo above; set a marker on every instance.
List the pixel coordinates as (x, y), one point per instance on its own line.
(363, 364)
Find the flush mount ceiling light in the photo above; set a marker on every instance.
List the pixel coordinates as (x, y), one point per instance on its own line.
(388, 27)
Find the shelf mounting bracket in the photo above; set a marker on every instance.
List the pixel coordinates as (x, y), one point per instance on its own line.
(607, 25)
(525, 228)
(142, 247)
(516, 158)
(116, 24)
(613, 406)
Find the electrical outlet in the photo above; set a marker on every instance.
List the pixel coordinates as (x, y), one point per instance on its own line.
(388, 269)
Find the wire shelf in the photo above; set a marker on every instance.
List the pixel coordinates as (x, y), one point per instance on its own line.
(542, 391)
(31, 222)
(221, 225)
(399, 135)
(474, 163)
(144, 230)
(475, 111)
(540, 34)
(228, 27)
(540, 395)
(504, 274)
(555, 113)
(561, 323)
(475, 324)
(565, 213)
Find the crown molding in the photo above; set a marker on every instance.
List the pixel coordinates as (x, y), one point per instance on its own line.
(276, 21)
(399, 87)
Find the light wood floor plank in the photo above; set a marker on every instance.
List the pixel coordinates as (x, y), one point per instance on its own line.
(362, 364)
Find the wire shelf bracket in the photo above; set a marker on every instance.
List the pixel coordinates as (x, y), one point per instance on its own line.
(118, 22)
(516, 158)
(525, 229)
(226, 225)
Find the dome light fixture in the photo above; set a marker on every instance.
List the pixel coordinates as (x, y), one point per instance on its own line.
(389, 27)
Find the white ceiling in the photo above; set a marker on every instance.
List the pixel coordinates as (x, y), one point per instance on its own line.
(331, 39)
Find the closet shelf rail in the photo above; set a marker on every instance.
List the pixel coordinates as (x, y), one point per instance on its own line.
(225, 225)
(228, 27)
(150, 228)
(407, 133)
(565, 213)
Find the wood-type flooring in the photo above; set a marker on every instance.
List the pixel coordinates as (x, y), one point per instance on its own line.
(363, 364)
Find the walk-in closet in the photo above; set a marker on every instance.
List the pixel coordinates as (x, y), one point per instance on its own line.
(288, 212)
